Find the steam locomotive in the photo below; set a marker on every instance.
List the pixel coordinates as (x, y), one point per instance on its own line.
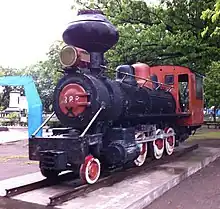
(108, 123)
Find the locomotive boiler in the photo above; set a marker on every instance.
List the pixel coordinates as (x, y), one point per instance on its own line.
(110, 123)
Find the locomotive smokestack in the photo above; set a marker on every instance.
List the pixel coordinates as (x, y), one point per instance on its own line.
(96, 59)
(91, 30)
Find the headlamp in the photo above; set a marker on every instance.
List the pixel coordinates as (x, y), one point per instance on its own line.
(68, 56)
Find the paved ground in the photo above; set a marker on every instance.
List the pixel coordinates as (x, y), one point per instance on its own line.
(199, 191)
(14, 156)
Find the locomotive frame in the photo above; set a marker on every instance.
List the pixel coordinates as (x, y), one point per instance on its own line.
(109, 123)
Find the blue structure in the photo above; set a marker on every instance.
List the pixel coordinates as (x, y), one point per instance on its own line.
(34, 102)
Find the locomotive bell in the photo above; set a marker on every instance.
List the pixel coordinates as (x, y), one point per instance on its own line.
(91, 30)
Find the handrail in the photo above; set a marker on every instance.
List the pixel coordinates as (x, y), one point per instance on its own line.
(138, 77)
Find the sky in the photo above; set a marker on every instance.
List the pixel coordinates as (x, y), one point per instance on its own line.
(29, 27)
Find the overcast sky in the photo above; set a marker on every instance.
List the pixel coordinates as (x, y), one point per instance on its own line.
(29, 27)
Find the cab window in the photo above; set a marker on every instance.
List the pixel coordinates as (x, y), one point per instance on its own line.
(155, 79)
(169, 79)
(199, 87)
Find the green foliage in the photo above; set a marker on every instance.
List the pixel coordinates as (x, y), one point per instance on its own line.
(172, 32)
(166, 34)
(9, 71)
(46, 74)
(13, 116)
(54, 124)
(213, 16)
(212, 85)
(10, 119)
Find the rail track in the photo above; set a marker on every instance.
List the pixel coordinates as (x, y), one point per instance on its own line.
(107, 179)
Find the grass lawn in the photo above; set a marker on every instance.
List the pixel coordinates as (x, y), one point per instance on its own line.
(209, 134)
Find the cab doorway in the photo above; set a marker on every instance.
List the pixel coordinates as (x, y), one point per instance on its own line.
(183, 84)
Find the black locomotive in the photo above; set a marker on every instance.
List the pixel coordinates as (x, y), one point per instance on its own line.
(109, 122)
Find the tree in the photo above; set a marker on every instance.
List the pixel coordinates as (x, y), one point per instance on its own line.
(212, 86)
(166, 34)
(45, 75)
(212, 15)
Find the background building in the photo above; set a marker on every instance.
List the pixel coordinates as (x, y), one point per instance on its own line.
(17, 110)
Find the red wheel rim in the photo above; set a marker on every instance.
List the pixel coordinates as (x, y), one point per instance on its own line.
(83, 167)
(139, 161)
(93, 170)
(159, 143)
(170, 140)
(144, 148)
(90, 170)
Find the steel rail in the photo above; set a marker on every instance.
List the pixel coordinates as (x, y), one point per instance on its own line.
(112, 178)
(108, 179)
(39, 184)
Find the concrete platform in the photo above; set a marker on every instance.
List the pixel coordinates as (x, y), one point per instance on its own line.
(132, 193)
